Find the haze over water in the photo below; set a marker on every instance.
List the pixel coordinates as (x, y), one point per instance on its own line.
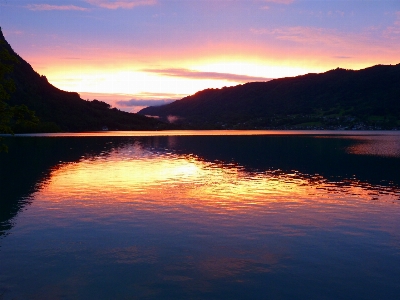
(217, 215)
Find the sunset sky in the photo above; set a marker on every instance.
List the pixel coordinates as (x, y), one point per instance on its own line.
(132, 53)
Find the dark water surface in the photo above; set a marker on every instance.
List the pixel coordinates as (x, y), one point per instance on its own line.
(220, 215)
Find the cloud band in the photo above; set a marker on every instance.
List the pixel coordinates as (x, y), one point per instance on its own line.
(186, 73)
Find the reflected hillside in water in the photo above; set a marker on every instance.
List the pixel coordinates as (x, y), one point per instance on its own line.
(371, 159)
(238, 165)
(30, 162)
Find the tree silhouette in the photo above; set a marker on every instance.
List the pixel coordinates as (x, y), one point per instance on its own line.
(18, 114)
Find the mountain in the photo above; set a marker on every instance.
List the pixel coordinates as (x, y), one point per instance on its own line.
(65, 111)
(346, 99)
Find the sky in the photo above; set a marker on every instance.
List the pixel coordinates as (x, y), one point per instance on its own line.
(135, 53)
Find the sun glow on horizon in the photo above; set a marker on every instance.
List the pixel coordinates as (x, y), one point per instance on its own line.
(182, 47)
(132, 83)
(120, 79)
(256, 69)
(113, 84)
(145, 74)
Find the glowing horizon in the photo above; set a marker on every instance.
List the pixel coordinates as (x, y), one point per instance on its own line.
(163, 50)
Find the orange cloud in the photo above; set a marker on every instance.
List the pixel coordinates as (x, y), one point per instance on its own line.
(40, 7)
(124, 4)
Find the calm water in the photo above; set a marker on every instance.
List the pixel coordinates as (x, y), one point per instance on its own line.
(201, 215)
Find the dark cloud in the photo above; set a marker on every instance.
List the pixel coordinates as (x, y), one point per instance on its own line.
(136, 102)
(186, 73)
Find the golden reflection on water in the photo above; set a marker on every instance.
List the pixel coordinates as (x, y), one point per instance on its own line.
(137, 177)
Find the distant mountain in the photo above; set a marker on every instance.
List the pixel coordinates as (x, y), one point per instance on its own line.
(66, 111)
(346, 99)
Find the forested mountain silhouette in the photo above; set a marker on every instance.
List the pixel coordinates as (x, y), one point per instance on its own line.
(364, 99)
(59, 110)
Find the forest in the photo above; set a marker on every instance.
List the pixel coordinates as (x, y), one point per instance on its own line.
(337, 99)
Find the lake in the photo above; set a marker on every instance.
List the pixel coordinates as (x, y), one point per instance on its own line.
(201, 215)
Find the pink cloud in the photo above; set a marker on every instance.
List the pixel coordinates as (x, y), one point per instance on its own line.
(280, 1)
(397, 22)
(15, 32)
(373, 45)
(393, 32)
(124, 4)
(54, 7)
(305, 35)
(173, 119)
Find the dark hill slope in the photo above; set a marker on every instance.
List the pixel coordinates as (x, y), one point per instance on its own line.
(366, 97)
(66, 111)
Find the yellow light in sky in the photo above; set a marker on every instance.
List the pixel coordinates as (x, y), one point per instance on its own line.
(121, 72)
(124, 74)
(121, 69)
(132, 82)
(254, 69)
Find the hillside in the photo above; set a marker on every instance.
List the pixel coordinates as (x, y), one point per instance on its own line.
(347, 99)
(65, 111)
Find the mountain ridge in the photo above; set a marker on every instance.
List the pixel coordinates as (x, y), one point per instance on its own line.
(60, 110)
(339, 98)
